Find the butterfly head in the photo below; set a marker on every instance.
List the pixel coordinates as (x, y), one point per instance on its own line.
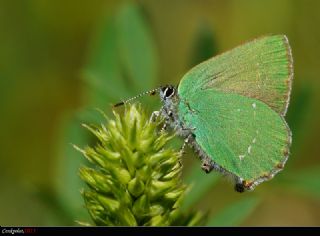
(170, 99)
(167, 93)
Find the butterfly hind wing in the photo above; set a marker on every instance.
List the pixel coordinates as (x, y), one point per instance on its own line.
(242, 135)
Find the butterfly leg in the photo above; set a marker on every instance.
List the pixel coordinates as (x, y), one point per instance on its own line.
(164, 127)
(207, 165)
(186, 141)
(154, 116)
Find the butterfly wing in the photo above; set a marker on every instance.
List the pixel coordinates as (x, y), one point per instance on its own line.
(235, 104)
(261, 69)
(241, 134)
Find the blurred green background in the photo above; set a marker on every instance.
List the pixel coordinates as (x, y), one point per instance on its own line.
(61, 59)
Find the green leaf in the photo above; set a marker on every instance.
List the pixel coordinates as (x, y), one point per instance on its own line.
(137, 49)
(304, 182)
(122, 59)
(204, 46)
(67, 182)
(102, 74)
(235, 213)
(298, 117)
(200, 183)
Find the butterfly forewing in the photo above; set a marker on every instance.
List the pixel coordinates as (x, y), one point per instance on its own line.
(260, 69)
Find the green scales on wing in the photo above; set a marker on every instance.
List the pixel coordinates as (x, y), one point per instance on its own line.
(235, 104)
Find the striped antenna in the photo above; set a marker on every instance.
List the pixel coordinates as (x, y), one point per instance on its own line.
(151, 92)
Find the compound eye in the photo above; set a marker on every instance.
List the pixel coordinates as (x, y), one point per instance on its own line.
(169, 92)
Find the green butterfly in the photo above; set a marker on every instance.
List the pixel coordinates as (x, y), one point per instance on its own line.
(231, 110)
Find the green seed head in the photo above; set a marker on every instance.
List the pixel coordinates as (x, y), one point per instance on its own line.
(136, 179)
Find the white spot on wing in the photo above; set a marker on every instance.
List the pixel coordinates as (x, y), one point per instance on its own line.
(249, 149)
